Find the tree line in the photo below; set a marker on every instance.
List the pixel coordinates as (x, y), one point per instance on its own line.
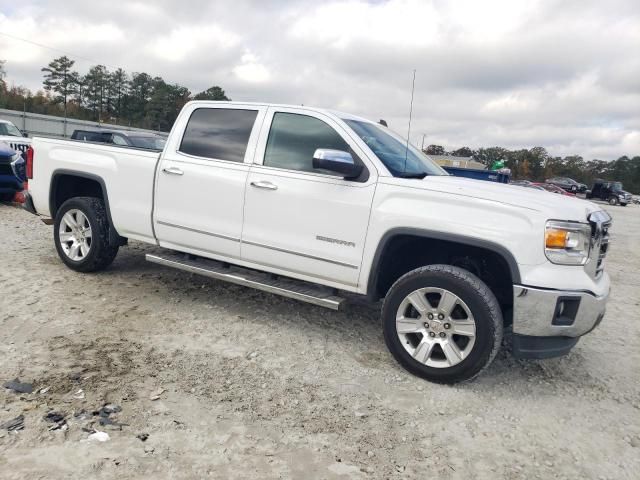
(144, 101)
(101, 95)
(537, 164)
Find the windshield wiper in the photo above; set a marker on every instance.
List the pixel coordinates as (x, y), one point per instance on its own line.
(419, 175)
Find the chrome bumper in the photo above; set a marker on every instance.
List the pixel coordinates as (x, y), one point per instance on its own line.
(556, 313)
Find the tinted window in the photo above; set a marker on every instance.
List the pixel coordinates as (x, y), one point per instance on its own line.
(118, 140)
(88, 136)
(152, 143)
(218, 133)
(9, 129)
(294, 138)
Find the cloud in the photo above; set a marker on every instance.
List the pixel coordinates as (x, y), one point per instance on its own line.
(251, 70)
(562, 74)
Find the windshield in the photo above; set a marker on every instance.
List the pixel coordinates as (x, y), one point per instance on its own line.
(392, 151)
(152, 143)
(616, 186)
(10, 130)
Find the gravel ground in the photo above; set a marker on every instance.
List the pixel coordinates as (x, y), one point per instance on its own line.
(255, 385)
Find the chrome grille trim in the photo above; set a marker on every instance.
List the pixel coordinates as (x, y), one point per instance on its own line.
(600, 222)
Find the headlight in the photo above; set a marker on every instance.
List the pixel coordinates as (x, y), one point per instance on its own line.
(567, 243)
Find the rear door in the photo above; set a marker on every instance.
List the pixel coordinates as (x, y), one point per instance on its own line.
(201, 180)
(300, 221)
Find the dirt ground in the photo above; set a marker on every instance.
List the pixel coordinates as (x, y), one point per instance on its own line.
(258, 386)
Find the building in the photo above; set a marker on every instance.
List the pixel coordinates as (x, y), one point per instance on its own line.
(460, 162)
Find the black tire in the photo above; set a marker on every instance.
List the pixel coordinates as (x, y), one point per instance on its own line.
(613, 201)
(103, 249)
(479, 299)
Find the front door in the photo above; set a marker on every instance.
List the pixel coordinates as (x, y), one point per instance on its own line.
(300, 221)
(201, 181)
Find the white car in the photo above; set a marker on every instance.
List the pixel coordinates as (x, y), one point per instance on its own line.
(311, 203)
(11, 135)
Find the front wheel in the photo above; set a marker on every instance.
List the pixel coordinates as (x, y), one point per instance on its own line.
(82, 235)
(613, 201)
(442, 323)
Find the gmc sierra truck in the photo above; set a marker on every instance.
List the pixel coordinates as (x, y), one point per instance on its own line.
(322, 206)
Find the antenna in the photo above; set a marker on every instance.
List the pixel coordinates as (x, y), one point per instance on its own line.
(406, 152)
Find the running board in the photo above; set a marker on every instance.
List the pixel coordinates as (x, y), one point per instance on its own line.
(287, 287)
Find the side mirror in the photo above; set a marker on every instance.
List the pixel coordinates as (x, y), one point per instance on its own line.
(25, 134)
(336, 161)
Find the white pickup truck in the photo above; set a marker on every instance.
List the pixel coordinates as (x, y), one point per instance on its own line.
(320, 206)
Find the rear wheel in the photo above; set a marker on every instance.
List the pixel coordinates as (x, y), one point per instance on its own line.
(82, 235)
(442, 323)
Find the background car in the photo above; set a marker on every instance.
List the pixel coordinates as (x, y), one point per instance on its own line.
(611, 192)
(568, 184)
(149, 141)
(12, 172)
(11, 135)
(526, 184)
(549, 187)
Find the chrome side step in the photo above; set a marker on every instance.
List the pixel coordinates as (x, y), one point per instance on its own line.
(287, 287)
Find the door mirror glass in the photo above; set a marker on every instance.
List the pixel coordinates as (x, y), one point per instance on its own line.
(336, 161)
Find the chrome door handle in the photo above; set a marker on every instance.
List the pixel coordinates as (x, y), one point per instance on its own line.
(265, 185)
(173, 171)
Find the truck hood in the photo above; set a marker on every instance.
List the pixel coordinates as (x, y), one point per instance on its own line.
(553, 205)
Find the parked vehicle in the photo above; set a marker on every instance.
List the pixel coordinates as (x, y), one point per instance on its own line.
(525, 184)
(568, 184)
(149, 141)
(549, 187)
(12, 172)
(489, 175)
(611, 192)
(314, 205)
(11, 135)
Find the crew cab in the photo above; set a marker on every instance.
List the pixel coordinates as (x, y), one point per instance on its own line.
(611, 192)
(322, 206)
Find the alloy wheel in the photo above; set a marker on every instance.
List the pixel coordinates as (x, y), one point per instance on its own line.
(436, 327)
(75, 235)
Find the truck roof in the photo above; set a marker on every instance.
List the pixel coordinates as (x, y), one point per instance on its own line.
(337, 113)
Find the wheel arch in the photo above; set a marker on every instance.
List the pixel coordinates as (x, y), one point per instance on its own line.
(66, 184)
(387, 240)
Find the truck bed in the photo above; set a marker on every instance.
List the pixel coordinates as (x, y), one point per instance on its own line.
(126, 175)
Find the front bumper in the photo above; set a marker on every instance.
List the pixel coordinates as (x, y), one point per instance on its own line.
(547, 323)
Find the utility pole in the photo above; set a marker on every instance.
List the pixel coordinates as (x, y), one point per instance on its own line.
(423, 137)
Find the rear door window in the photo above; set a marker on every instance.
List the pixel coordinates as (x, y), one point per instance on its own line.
(218, 133)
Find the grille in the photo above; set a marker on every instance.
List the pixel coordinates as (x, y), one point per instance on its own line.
(600, 224)
(604, 247)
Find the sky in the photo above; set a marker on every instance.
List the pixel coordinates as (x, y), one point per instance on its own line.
(561, 74)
